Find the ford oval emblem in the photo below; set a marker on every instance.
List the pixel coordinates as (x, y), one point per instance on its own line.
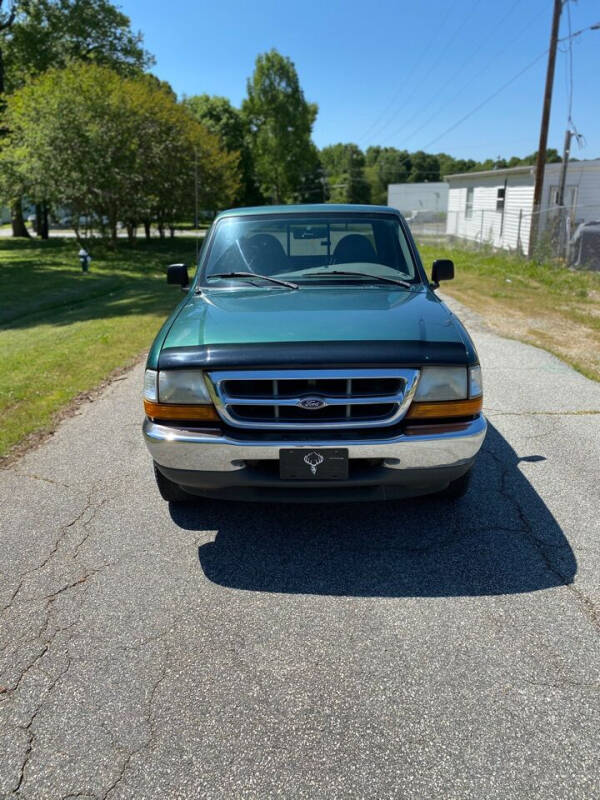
(312, 403)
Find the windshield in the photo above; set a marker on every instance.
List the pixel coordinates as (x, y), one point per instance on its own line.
(311, 248)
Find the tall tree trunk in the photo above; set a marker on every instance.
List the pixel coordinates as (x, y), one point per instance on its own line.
(172, 231)
(38, 219)
(147, 228)
(18, 221)
(2, 102)
(45, 225)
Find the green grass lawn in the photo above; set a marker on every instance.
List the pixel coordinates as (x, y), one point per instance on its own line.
(62, 332)
(543, 304)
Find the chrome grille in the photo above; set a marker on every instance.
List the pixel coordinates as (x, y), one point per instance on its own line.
(344, 398)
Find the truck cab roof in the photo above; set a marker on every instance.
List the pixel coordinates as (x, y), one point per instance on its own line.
(318, 208)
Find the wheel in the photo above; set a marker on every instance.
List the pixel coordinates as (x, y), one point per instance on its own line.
(458, 488)
(170, 491)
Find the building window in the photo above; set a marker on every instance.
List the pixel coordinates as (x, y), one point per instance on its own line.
(500, 198)
(469, 204)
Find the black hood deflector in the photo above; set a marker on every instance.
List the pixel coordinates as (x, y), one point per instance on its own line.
(326, 354)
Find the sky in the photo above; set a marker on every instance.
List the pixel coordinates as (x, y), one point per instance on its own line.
(392, 72)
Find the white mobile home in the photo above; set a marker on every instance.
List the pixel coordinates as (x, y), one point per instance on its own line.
(496, 206)
(424, 198)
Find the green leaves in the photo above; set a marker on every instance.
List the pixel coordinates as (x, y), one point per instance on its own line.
(112, 148)
(221, 118)
(279, 121)
(344, 165)
(54, 33)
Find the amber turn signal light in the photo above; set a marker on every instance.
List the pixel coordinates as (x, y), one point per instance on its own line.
(169, 411)
(445, 409)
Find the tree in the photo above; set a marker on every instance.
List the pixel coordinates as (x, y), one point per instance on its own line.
(385, 165)
(220, 117)
(313, 183)
(112, 149)
(344, 166)
(450, 165)
(6, 21)
(280, 123)
(552, 157)
(54, 33)
(424, 167)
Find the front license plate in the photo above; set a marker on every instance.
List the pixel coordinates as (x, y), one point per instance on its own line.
(321, 465)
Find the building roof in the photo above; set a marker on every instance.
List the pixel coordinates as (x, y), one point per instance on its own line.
(521, 170)
(524, 169)
(308, 208)
(419, 183)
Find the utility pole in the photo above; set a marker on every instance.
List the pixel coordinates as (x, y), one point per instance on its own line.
(563, 214)
(560, 200)
(541, 155)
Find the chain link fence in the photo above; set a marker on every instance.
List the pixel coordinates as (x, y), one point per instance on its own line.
(570, 236)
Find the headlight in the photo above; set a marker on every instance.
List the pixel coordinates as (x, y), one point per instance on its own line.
(441, 383)
(150, 387)
(475, 382)
(182, 386)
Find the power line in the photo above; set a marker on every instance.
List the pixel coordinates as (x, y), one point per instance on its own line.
(481, 71)
(571, 127)
(570, 62)
(432, 67)
(424, 51)
(487, 99)
(457, 72)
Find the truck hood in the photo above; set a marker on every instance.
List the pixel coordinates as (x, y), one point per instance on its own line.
(212, 321)
(311, 314)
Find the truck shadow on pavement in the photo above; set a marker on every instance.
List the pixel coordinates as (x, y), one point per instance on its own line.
(499, 539)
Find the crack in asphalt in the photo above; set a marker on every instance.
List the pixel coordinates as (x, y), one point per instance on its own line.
(150, 723)
(59, 540)
(83, 579)
(38, 658)
(79, 797)
(28, 728)
(34, 477)
(584, 601)
(48, 639)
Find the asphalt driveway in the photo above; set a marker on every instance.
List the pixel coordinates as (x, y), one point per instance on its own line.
(414, 649)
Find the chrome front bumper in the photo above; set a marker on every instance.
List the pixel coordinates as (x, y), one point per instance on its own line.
(180, 449)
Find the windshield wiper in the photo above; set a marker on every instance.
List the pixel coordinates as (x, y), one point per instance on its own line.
(289, 284)
(406, 284)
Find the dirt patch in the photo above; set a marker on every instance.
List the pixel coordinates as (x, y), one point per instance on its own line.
(573, 341)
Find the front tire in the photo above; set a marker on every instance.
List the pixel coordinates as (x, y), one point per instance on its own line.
(170, 491)
(458, 488)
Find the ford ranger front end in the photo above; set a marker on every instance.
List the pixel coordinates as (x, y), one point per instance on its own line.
(311, 360)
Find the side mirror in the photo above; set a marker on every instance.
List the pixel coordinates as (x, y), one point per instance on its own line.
(442, 270)
(177, 274)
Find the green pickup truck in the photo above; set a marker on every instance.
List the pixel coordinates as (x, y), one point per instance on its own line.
(311, 360)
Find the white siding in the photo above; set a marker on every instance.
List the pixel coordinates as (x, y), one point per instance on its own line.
(517, 214)
(508, 228)
(408, 197)
(587, 181)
